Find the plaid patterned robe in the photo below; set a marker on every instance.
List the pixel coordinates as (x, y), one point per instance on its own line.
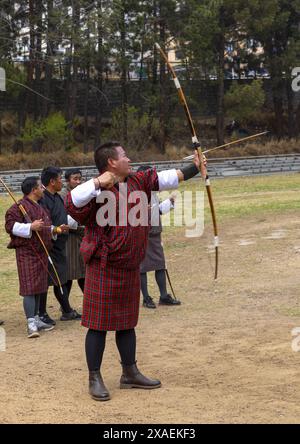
(113, 255)
(32, 261)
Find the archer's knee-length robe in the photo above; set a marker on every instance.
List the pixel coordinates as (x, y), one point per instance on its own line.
(55, 205)
(32, 261)
(113, 255)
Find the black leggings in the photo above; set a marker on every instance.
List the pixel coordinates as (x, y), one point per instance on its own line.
(80, 283)
(160, 277)
(95, 345)
(63, 300)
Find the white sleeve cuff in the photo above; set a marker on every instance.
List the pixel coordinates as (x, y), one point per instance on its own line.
(72, 223)
(166, 206)
(54, 236)
(22, 230)
(167, 180)
(84, 193)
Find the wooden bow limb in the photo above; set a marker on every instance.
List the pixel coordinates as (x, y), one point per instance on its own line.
(25, 214)
(197, 147)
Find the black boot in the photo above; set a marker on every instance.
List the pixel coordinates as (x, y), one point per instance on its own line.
(133, 378)
(97, 389)
(168, 300)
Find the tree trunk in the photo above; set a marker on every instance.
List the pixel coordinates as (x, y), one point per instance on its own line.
(73, 85)
(86, 116)
(124, 79)
(290, 109)
(278, 108)
(99, 66)
(163, 96)
(48, 65)
(154, 76)
(273, 46)
(30, 66)
(0, 134)
(38, 60)
(220, 99)
(297, 121)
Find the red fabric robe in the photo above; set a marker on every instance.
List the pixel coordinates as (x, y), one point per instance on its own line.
(32, 261)
(112, 255)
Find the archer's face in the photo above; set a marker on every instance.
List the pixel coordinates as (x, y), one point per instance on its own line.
(121, 165)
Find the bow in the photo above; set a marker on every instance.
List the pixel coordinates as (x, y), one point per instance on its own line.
(197, 147)
(25, 214)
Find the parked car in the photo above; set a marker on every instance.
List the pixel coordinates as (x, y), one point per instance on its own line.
(262, 73)
(230, 75)
(251, 74)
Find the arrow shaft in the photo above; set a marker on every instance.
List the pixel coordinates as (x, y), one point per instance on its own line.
(229, 144)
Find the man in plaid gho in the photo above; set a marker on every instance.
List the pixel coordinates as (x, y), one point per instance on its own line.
(32, 261)
(113, 254)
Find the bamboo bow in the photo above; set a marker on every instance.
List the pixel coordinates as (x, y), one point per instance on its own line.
(197, 147)
(25, 214)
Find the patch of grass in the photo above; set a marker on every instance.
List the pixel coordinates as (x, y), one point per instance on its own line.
(289, 311)
(246, 196)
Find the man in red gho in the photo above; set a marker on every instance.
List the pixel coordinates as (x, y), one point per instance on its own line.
(113, 254)
(32, 260)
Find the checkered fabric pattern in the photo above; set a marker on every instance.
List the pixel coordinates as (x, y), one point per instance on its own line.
(113, 255)
(32, 260)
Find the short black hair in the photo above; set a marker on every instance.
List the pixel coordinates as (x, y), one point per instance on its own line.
(49, 173)
(29, 184)
(72, 171)
(104, 152)
(144, 168)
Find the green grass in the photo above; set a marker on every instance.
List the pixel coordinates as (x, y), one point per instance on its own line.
(289, 311)
(246, 196)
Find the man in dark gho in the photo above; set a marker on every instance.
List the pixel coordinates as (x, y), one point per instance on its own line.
(52, 181)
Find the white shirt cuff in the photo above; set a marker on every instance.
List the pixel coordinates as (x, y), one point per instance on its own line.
(167, 180)
(166, 206)
(22, 230)
(72, 223)
(84, 193)
(54, 236)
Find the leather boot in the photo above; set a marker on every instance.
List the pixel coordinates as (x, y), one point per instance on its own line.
(133, 378)
(97, 389)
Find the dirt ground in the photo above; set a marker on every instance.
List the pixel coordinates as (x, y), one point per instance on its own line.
(224, 356)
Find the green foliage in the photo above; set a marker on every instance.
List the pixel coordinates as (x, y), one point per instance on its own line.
(242, 102)
(138, 128)
(53, 130)
(109, 39)
(15, 78)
